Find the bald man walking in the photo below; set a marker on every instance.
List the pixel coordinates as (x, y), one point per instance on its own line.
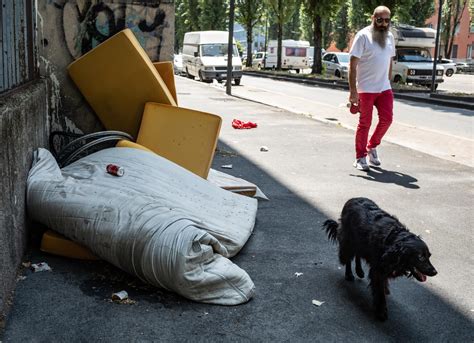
(369, 84)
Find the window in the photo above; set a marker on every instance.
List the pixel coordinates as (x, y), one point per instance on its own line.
(344, 58)
(215, 50)
(328, 57)
(299, 52)
(454, 53)
(456, 29)
(189, 49)
(470, 51)
(17, 48)
(471, 28)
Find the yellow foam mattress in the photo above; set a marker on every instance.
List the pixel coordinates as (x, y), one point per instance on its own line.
(184, 136)
(57, 244)
(166, 71)
(117, 78)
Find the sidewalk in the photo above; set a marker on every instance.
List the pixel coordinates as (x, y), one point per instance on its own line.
(307, 175)
(421, 137)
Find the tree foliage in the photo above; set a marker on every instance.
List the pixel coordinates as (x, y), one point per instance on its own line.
(187, 13)
(282, 11)
(341, 27)
(417, 13)
(292, 28)
(248, 14)
(213, 14)
(317, 10)
(452, 12)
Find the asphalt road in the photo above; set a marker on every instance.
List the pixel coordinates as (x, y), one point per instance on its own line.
(458, 83)
(440, 131)
(307, 175)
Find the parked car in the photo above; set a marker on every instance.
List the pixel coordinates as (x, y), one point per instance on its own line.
(205, 56)
(336, 64)
(311, 55)
(449, 66)
(178, 64)
(465, 67)
(258, 60)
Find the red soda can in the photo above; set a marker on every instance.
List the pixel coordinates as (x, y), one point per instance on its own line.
(353, 108)
(115, 170)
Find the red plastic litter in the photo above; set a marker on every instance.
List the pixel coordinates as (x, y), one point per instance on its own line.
(238, 124)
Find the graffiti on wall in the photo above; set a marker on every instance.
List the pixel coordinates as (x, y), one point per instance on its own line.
(87, 23)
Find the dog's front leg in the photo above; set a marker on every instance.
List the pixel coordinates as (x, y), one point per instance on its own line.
(359, 270)
(349, 276)
(377, 283)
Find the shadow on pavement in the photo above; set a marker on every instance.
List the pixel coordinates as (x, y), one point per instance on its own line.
(378, 174)
(72, 303)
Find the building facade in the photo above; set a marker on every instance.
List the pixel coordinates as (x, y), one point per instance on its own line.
(463, 45)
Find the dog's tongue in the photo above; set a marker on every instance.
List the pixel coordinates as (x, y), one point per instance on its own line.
(420, 276)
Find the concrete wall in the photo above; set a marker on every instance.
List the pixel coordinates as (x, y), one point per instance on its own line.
(69, 28)
(23, 128)
(66, 29)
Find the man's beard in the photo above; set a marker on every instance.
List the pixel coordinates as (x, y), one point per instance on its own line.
(379, 35)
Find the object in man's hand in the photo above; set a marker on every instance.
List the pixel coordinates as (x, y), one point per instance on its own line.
(353, 108)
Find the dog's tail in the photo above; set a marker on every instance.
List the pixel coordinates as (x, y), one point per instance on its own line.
(331, 229)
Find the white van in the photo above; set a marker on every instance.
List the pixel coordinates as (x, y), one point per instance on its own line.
(413, 62)
(205, 56)
(294, 54)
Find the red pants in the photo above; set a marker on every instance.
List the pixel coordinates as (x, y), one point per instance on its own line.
(384, 104)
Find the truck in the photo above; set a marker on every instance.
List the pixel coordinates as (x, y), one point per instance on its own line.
(205, 56)
(294, 55)
(413, 62)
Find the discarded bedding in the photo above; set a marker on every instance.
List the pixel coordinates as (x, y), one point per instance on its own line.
(158, 221)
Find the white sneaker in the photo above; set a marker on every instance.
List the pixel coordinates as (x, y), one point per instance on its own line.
(373, 157)
(361, 164)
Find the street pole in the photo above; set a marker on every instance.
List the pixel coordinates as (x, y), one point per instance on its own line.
(265, 42)
(435, 59)
(230, 47)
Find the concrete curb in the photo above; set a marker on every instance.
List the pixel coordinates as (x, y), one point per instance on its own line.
(404, 95)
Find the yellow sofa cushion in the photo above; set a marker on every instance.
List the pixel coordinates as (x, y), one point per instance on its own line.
(186, 137)
(54, 243)
(166, 71)
(127, 144)
(117, 78)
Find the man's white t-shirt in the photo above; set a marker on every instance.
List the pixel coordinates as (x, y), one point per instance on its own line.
(374, 63)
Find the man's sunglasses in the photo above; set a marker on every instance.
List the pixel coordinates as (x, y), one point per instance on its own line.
(380, 20)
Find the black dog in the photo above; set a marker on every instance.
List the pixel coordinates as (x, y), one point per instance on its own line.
(368, 232)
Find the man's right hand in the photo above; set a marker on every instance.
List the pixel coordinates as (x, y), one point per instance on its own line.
(354, 98)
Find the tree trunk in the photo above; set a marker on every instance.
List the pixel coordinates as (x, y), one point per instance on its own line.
(455, 10)
(280, 33)
(280, 38)
(317, 64)
(248, 63)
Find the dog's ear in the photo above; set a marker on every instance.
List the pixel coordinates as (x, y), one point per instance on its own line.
(391, 258)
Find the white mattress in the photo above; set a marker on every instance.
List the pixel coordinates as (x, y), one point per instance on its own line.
(159, 221)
